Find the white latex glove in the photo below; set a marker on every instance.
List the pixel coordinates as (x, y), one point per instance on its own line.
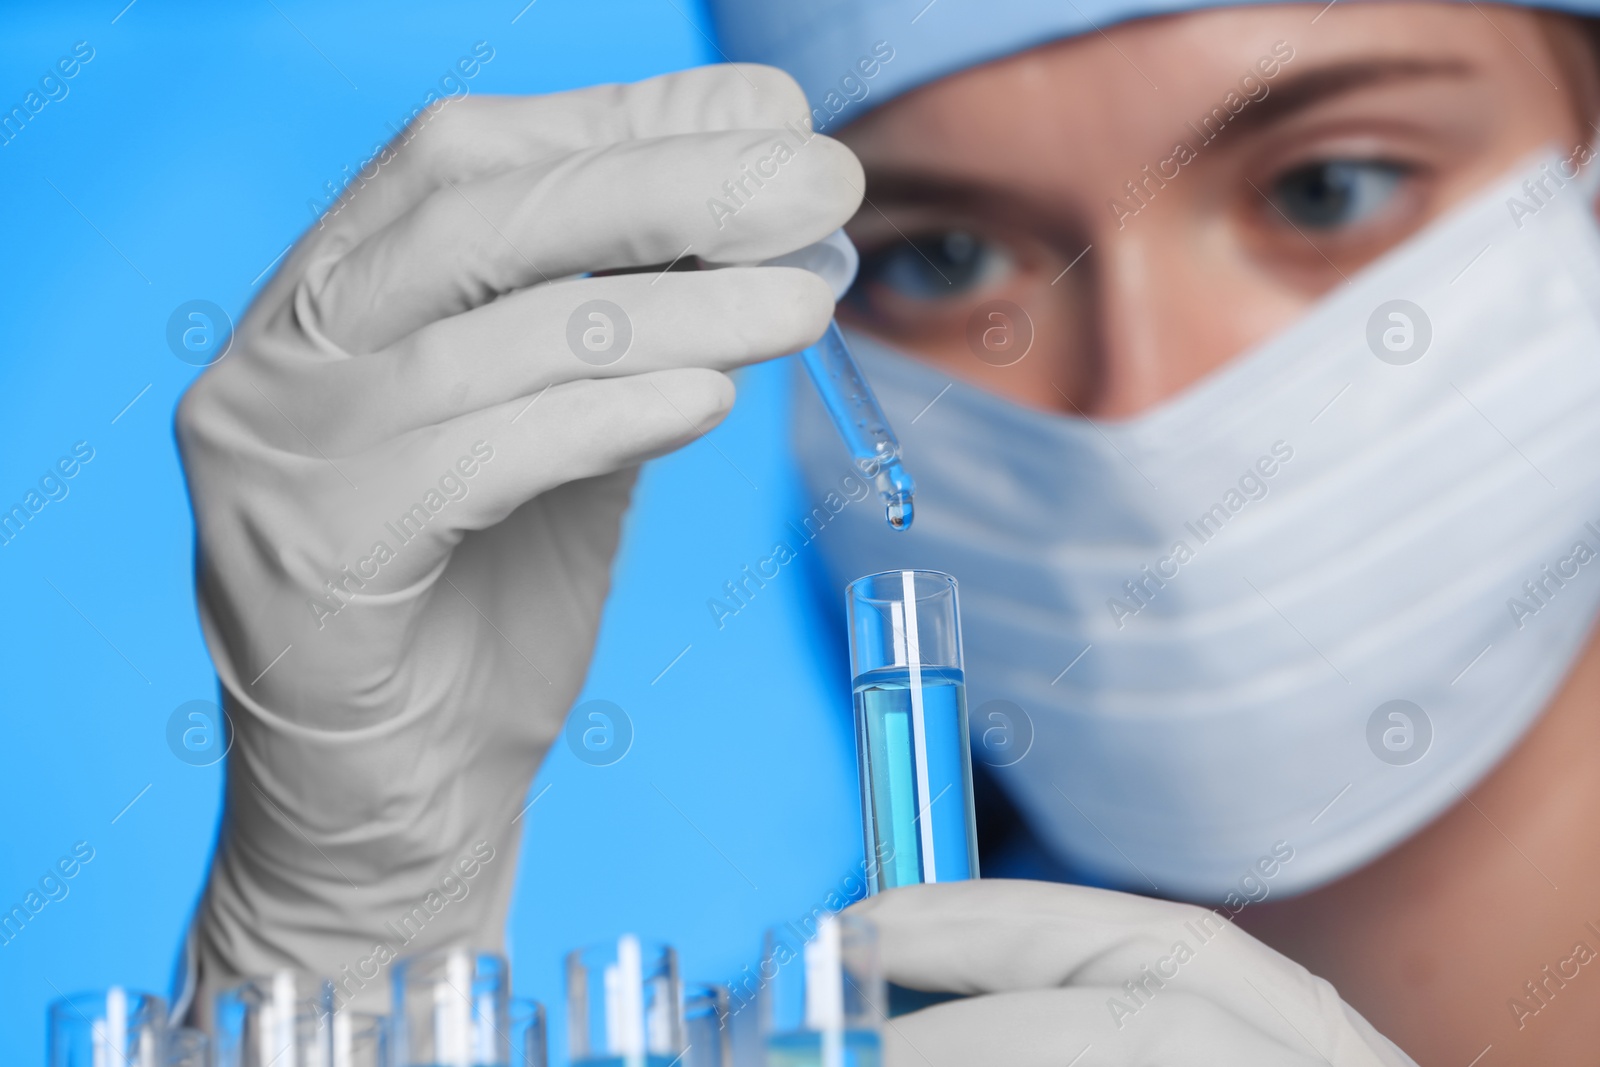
(412, 358)
(1043, 965)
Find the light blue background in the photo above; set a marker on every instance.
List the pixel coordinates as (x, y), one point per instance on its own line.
(182, 163)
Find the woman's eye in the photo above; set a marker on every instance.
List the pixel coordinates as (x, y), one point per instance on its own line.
(933, 266)
(1336, 192)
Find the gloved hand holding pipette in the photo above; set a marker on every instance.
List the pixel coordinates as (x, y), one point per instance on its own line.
(408, 478)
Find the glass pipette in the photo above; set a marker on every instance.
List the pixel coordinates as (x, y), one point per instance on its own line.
(855, 412)
(861, 422)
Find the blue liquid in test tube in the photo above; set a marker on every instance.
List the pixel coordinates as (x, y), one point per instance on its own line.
(912, 743)
(857, 1048)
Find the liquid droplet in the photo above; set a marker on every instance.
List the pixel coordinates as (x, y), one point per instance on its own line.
(899, 512)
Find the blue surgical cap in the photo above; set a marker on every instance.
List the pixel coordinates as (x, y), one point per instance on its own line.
(851, 55)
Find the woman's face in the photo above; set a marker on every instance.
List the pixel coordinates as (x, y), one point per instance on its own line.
(1272, 152)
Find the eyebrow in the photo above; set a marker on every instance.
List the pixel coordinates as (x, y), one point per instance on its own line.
(1307, 89)
(1299, 93)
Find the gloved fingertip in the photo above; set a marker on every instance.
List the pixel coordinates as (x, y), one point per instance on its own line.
(777, 93)
(703, 397)
(843, 175)
(802, 309)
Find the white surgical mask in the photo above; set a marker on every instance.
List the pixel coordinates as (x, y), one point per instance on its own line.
(1206, 611)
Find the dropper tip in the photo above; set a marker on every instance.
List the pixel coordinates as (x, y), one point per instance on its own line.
(899, 512)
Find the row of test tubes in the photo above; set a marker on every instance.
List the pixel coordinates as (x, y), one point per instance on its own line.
(820, 995)
(450, 1008)
(817, 1001)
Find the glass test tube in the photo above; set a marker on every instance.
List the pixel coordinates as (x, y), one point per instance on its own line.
(912, 747)
(705, 1026)
(187, 1047)
(115, 1027)
(528, 1033)
(624, 1005)
(451, 1009)
(276, 1020)
(360, 1039)
(824, 1001)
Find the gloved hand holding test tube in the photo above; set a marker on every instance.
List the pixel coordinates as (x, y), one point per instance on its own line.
(843, 388)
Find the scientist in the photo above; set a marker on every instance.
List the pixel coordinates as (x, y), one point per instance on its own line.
(1247, 356)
